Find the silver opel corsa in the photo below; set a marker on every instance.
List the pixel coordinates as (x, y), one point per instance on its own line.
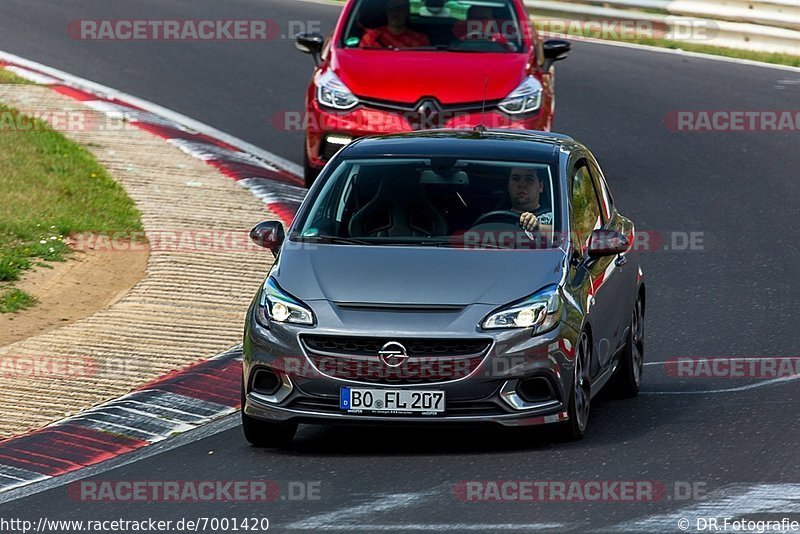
(448, 276)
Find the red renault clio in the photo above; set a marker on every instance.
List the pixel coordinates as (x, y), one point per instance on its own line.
(402, 65)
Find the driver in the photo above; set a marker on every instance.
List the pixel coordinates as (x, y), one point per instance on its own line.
(396, 33)
(524, 188)
(481, 24)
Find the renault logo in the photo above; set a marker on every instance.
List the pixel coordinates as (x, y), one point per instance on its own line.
(427, 111)
(393, 354)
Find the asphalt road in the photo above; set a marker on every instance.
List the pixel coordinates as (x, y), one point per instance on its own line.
(734, 297)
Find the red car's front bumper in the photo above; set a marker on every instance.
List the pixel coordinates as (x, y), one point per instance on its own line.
(328, 130)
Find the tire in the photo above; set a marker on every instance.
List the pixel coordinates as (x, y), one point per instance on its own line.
(266, 433)
(580, 397)
(309, 173)
(628, 377)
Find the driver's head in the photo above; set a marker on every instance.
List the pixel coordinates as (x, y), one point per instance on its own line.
(524, 188)
(397, 12)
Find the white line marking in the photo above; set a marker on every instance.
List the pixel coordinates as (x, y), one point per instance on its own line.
(765, 383)
(31, 76)
(732, 501)
(383, 503)
(193, 124)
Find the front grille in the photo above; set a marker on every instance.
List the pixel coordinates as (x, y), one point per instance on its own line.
(413, 371)
(430, 360)
(465, 107)
(419, 348)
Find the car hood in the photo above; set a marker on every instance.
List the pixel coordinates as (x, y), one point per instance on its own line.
(418, 275)
(406, 76)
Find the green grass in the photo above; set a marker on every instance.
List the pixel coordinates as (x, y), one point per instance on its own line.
(6, 76)
(13, 299)
(50, 187)
(764, 57)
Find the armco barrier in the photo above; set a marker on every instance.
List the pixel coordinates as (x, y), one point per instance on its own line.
(759, 25)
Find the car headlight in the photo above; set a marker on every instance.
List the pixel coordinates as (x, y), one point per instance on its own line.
(276, 305)
(540, 311)
(332, 92)
(524, 99)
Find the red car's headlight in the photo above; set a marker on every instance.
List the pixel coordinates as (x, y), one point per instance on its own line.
(524, 99)
(333, 93)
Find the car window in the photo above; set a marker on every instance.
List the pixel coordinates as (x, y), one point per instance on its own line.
(440, 201)
(467, 25)
(585, 215)
(606, 202)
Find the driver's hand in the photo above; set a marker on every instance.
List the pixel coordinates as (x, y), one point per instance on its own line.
(528, 221)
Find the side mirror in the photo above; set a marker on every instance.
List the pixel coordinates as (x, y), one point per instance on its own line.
(268, 234)
(555, 50)
(607, 243)
(310, 43)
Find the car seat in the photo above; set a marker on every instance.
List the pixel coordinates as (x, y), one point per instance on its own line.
(400, 208)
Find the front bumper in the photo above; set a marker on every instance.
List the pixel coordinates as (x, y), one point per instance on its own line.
(366, 119)
(486, 393)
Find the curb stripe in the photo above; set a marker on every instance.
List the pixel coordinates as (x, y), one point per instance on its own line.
(181, 400)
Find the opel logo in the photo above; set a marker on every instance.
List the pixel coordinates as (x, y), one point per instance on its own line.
(393, 354)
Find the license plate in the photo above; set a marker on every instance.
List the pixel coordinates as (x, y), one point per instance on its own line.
(391, 401)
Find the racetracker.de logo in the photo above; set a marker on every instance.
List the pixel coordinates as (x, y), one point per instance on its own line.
(740, 120)
(12, 121)
(684, 29)
(740, 367)
(579, 491)
(51, 366)
(187, 29)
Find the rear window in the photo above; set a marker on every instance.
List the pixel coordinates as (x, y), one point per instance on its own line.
(436, 25)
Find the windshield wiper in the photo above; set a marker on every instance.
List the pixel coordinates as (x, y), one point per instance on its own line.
(335, 239)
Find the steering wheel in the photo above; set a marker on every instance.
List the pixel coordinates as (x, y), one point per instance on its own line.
(478, 36)
(494, 38)
(500, 216)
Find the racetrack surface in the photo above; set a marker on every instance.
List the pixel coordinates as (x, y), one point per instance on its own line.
(735, 297)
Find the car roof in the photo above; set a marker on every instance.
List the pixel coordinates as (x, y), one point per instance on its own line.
(496, 144)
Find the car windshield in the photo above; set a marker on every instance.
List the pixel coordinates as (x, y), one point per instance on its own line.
(439, 201)
(436, 25)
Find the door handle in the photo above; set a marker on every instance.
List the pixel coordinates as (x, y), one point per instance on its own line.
(621, 260)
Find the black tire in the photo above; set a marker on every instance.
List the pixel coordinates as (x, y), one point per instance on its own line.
(580, 396)
(309, 173)
(628, 377)
(266, 433)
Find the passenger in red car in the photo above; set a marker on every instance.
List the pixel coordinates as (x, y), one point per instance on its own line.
(396, 33)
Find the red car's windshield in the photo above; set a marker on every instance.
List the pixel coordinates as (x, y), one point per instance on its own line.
(436, 25)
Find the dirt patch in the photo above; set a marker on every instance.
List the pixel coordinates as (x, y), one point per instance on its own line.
(87, 282)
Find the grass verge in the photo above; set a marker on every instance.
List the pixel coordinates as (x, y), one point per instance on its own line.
(50, 187)
(6, 76)
(765, 57)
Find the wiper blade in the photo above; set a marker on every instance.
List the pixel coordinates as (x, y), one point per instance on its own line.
(335, 239)
(447, 48)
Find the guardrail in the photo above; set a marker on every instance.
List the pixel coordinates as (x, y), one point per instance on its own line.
(757, 25)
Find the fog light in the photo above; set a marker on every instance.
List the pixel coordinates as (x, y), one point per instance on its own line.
(340, 140)
(266, 382)
(535, 389)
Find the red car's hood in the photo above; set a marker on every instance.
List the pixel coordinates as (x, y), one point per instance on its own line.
(406, 76)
